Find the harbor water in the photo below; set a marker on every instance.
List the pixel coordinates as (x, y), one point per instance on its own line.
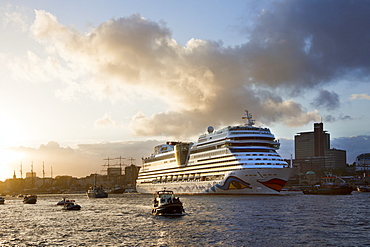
(290, 219)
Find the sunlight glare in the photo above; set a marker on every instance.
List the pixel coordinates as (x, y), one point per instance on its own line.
(10, 133)
(8, 157)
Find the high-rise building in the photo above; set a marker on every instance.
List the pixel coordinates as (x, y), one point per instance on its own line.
(313, 152)
(312, 144)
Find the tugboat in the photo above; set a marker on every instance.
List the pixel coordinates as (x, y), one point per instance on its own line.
(330, 185)
(166, 204)
(97, 192)
(30, 199)
(71, 206)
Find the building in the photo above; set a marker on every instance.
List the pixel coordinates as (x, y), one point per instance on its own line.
(363, 163)
(313, 152)
(312, 144)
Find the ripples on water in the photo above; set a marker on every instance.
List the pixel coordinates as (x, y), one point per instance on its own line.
(293, 219)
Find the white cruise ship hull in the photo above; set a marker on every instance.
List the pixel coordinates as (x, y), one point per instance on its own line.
(248, 181)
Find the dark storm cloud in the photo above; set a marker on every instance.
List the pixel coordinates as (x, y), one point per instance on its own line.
(326, 99)
(305, 43)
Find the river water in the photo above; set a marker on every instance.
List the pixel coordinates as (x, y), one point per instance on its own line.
(290, 219)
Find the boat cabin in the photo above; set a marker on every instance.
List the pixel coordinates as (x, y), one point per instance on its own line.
(165, 197)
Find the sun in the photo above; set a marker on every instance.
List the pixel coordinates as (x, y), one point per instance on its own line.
(10, 132)
(7, 158)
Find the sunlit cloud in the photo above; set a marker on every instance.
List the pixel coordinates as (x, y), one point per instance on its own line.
(202, 82)
(14, 17)
(201, 78)
(360, 96)
(106, 121)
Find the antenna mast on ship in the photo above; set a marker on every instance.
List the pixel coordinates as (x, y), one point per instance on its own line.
(43, 173)
(132, 160)
(107, 164)
(248, 117)
(120, 164)
(21, 171)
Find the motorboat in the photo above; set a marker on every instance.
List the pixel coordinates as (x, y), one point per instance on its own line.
(64, 201)
(2, 200)
(117, 190)
(30, 199)
(363, 188)
(330, 185)
(166, 204)
(97, 192)
(362, 161)
(71, 206)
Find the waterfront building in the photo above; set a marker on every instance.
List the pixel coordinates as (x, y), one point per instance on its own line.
(313, 152)
(363, 163)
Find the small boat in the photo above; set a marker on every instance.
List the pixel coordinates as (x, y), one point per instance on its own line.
(330, 185)
(64, 201)
(2, 200)
(97, 192)
(166, 204)
(117, 190)
(71, 206)
(363, 188)
(30, 199)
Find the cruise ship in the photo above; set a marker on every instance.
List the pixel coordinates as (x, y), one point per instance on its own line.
(234, 160)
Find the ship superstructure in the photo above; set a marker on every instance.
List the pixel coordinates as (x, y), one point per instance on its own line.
(233, 160)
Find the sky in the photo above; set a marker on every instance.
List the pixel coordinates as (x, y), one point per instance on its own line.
(83, 81)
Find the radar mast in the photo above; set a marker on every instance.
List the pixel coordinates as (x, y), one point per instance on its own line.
(249, 120)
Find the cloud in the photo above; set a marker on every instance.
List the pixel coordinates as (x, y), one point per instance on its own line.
(354, 145)
(292, 47)
(106, 121)
(326, 99)
(14, 17)
(345, 117)
(308, 43)
(329, 119)
(360, 96)
(81, 160)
